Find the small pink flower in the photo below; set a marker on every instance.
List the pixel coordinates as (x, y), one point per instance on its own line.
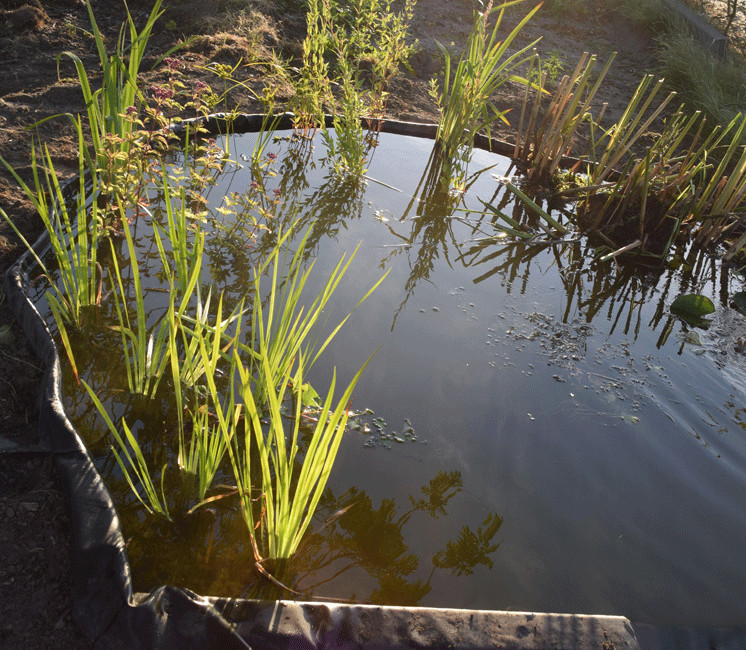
(271, 156)
(172, 63)
(160, 93)
(254, 185)
(277, 193)
(131, 110)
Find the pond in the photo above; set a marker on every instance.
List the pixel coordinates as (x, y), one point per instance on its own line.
(535, 432)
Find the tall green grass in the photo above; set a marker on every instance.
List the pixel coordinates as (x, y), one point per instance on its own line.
(76, 279)
(107, 107)
(465, 92)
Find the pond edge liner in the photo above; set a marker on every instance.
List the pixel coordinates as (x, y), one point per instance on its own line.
(110, 615)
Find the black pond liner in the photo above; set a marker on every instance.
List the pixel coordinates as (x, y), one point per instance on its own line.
(111, 615)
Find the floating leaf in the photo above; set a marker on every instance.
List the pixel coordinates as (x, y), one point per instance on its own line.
(692, 306)
(740, 301)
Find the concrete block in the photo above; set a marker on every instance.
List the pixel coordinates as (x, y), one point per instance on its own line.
(705, 33)
(297, 625)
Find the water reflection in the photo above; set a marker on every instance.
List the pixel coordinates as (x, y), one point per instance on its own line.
(611, 437)
(360, 550)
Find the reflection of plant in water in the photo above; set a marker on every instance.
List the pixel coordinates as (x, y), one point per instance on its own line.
(599, 289)
(360, 547)
(471, 549)
(434, 200)
(358, 535)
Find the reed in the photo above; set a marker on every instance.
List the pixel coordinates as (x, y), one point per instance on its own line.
(76, 283)
(463, 96)
(544, 137)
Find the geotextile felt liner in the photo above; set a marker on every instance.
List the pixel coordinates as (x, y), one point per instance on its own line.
(111, 615)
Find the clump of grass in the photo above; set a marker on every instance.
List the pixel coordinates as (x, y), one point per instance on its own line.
(545, 135)
(464, 94)
(713, 85)
(704, 82)
(76, 283)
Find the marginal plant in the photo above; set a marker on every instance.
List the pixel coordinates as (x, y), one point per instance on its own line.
(617, 142)
(348, 147)
(289, 502)
(349, 55)
(545, 135)
(76, 282)
(312, 85)
(283, 328)
(107, 107)
(146, 349)
(131, 460)
(463, 96)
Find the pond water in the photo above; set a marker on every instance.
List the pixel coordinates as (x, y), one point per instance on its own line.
(544, 434)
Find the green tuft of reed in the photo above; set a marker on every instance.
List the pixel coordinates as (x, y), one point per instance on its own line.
(73, 240)
(464, 95)
(545, 135)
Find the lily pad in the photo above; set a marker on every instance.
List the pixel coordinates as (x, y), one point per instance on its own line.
(740, 301)
(692, 305)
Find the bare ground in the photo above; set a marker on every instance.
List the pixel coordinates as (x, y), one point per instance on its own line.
(34, 535)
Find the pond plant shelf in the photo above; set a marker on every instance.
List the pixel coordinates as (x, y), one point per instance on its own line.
(111, 615)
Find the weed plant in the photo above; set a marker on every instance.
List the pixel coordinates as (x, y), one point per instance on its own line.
(350, 53)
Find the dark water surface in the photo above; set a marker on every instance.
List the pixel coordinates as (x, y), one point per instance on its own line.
(554, 438)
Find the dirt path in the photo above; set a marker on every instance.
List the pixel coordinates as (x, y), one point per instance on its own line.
(34, 563)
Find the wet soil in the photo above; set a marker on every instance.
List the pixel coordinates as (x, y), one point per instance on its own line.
(34, 562)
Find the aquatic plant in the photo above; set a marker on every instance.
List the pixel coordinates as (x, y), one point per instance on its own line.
(215, 416)
(463, 96)
(631, 201)
(107, 108)
(349, 56)
(76, 283)
(543, 138)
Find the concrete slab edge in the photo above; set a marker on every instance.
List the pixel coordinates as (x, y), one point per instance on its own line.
(705, 33)
(288, 624)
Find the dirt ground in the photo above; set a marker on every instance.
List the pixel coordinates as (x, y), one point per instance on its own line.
(34, 525)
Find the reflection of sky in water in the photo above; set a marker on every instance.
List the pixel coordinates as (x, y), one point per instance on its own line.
(609, 438)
